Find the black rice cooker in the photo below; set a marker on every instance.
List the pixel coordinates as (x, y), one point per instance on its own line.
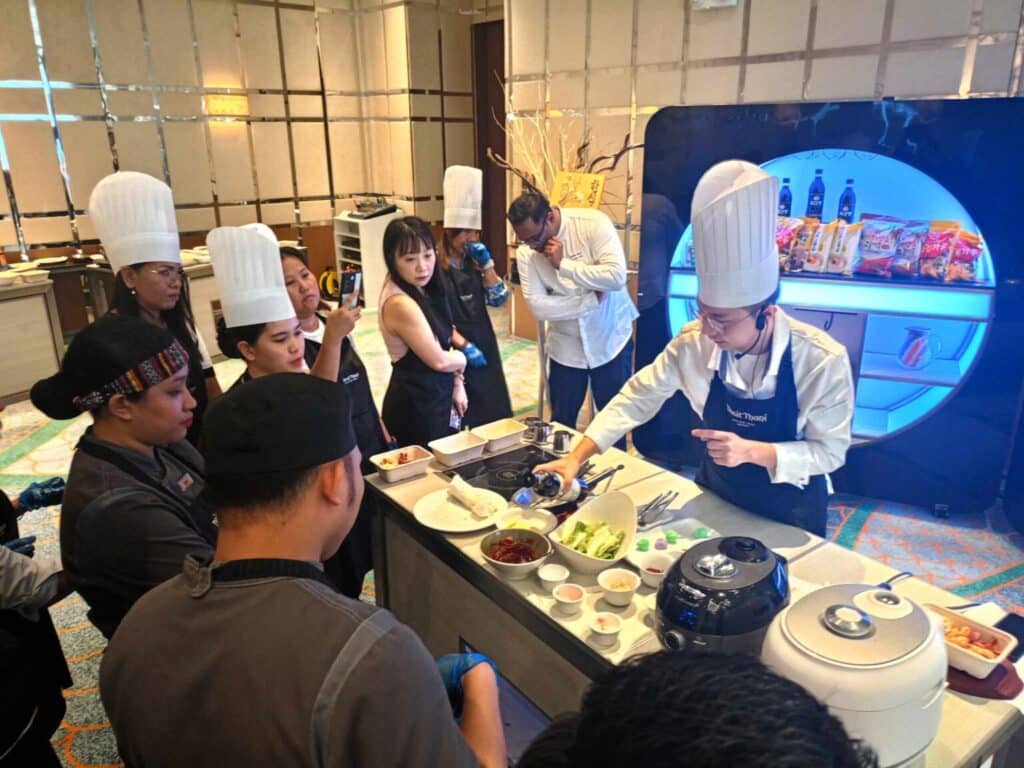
(722, 595)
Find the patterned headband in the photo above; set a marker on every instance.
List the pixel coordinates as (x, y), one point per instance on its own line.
(146, 374)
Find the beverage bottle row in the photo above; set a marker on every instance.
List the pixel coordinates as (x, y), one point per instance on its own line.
(816, 199)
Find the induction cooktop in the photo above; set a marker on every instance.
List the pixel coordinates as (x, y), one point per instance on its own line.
(503, 473)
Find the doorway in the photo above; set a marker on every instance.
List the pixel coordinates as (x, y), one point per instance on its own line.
(488, 110)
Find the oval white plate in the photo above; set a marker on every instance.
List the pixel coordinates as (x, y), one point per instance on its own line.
(437, 511)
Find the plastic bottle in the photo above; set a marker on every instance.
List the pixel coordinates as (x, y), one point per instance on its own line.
(816, 196)
(847, 203)
(785, 199)
(549, 485)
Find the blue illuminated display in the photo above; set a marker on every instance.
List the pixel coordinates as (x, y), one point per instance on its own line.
(920, 338)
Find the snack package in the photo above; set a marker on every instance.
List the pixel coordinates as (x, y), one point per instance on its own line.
(844, 248)
(817, 256)
(878, 245)
(786, 229)
(801, 245)
(964, 258)
(908, 248)
(936, 249)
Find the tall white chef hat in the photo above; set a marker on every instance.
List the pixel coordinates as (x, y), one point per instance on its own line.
(733, 220)
(262, 229)
(247, 267)
(134, 216)
(463, 196)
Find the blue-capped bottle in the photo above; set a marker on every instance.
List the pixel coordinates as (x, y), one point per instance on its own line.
(847, 203)
(816, 196)
(785, 199)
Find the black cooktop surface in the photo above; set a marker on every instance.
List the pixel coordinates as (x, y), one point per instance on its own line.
(503, 473)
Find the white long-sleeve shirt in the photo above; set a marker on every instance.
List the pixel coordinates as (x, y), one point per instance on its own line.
(824, 393)
(583, 331)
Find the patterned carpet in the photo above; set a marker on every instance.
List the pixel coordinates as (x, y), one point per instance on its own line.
(978, 557)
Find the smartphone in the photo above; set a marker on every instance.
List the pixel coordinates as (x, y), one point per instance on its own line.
(351, 280)
(1013, 624)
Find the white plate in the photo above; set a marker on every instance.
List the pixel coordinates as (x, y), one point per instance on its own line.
(684, 528)
(437, 511)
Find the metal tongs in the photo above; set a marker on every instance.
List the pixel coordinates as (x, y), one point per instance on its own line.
(655, 511)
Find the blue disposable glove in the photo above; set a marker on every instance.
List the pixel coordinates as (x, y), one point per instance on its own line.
(42, 494)
(24, 546)
(474, 357)
(496, 295)
(478, 252)
(453, 666)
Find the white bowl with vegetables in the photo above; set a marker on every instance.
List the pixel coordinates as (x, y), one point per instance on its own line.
(600, 534)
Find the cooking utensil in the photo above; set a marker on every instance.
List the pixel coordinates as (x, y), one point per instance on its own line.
(562, 442)
(721, 595)
(600, 477)
(653, 513)
(542, 433)
(873, 657)
(531, 422)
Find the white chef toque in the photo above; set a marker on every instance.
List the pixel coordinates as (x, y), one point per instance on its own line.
(262, 229)
(463, 196)
(733, 220)
(247, 267)
(133, 213)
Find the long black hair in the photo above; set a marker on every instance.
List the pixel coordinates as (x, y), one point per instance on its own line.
(179, 319)
(407, 235)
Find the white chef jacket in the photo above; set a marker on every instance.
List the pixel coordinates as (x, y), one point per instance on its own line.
(824, 393)
(583, 331)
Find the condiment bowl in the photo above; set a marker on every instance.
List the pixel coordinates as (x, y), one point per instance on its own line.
(569, 598)
(605, 628)
(514, 571)
(619, 586)
(551, 575)
(653, 566)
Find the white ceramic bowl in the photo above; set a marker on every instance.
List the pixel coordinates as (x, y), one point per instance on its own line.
(569, 598)
(500, 434)
(605, 628)
(551, 575)
(539, 520)
(970, 662)
(34, 275)
(619, 585)
(516, 571)
(391, 471)
(647, 560)
(614, 508)
(458, 448)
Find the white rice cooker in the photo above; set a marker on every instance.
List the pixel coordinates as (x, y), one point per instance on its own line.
(876, 659)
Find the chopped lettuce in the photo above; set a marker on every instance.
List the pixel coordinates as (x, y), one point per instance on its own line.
(594, 539)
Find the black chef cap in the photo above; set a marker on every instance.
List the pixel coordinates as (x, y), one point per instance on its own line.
(284, 421)
(117, 354)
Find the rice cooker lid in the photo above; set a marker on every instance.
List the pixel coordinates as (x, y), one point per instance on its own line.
(857, 625)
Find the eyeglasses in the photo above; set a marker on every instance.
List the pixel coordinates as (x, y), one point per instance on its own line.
(537, 241)
(716, 325)
(168, 274)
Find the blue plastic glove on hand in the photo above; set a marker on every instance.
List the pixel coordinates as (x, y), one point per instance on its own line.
(24, 546)
(474, 357)
(452, 667)
(496, 295)
(42, 494)
(478, 252)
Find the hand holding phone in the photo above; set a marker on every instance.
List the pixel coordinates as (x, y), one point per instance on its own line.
(351, 280)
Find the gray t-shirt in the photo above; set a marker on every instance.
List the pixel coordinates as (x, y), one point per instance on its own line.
(120, 537)
(258, 672)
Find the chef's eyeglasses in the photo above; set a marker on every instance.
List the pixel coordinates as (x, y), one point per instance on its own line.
(537, 241)
(169, 274)
(719, 326)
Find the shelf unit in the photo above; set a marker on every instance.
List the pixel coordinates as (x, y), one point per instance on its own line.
(359, 243)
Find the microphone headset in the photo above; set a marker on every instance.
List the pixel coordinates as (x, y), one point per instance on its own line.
(759, 322)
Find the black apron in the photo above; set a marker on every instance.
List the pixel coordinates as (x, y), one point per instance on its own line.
(418, 403)
(486, 387)
(748, 485)
(32, 666)
(354, 558)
